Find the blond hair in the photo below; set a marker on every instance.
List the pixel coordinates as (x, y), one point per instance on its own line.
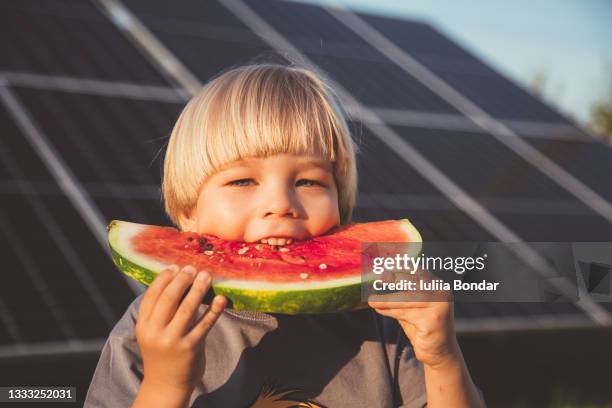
(257, 111)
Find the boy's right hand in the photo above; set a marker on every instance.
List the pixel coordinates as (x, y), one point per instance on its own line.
(171, 343)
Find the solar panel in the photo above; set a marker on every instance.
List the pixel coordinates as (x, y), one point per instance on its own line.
(472, 77)
(589, 161)
(184, 12)
(74, 290)
(68, 38)
(106, 139)
(112, 139)
(113, 142)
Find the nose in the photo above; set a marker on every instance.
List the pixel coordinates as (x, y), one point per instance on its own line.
(279, 202)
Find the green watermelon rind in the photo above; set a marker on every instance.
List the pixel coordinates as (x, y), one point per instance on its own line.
(344, 297)
(326, 300)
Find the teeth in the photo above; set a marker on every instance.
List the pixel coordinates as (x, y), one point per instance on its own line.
(276, 241)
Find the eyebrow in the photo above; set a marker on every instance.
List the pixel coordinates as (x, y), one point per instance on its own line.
(307, 164)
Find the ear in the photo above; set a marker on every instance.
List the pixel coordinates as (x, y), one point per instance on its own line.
(187, 222)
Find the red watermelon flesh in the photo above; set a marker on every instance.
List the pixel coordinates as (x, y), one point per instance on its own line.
(320, 274)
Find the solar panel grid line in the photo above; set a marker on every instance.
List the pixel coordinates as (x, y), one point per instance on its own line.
(433, 120)
(162, 57)
(120, 89)
(422, 164)
(474, 112)
(409, 117)
(62, 174)
(547, 130)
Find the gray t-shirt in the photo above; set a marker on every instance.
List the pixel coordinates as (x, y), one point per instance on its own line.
(349, 359)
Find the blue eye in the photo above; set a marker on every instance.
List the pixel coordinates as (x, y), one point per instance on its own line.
(240, 182)
(247, 181)
(314, 183)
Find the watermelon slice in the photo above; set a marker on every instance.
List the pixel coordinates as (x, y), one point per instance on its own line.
(318, 275)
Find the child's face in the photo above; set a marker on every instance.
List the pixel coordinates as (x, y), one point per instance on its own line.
(281, 196)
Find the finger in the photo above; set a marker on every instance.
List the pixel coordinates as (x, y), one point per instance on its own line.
(154, 290)
(169, 299)
(204, 324)
(191, 303)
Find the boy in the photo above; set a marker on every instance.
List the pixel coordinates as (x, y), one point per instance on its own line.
(263, 153)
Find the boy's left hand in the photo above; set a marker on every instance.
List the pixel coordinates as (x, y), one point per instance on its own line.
(429, 325)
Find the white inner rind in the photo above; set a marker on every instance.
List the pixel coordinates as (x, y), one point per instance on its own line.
(120, 238)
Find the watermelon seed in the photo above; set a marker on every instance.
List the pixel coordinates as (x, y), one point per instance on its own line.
(243, 250)
(202, 241)
(284, 249)
(189, 239)
(208, 252)
(258, 247)
(208, 247)
(322, 266)
(303, 275)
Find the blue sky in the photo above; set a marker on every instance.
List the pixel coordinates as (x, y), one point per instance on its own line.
(568, 40)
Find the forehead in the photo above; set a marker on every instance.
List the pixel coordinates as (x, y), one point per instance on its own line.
(301, 162)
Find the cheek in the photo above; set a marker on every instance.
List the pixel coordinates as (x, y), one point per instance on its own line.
(322, 209)
(223, 217)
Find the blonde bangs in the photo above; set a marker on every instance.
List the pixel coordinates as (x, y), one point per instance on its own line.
(257, 111)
